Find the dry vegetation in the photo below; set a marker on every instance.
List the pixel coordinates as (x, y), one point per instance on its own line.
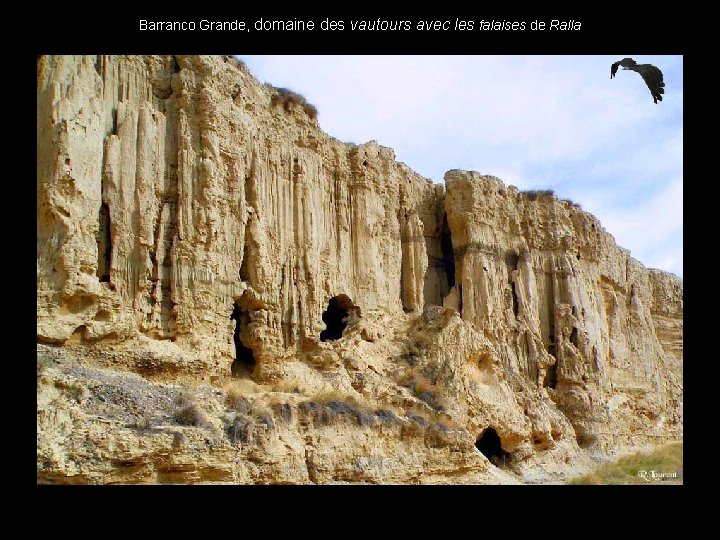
(424, 389)
(289, 386)
(256, 408)
(43, 362)
(287, 99)
(189, 412)
(145, 421)
(534, 194)
(638, 468)
(325, 408)
(337, 395)
(244, 387)
(236, 400)
(573, 203)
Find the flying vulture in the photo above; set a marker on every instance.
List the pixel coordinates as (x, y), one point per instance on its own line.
(652, 76)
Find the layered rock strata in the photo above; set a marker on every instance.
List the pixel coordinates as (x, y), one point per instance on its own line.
(195, 229)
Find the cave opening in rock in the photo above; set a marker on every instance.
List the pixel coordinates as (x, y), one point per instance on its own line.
(551, 344)
(246, 254)
(550, 380)
(244, 363)
(515, 305)
(340, 311)
(490, 446)
(512, 259)
(104, 244)
(585, 440)
(448, 254)
(574, 336)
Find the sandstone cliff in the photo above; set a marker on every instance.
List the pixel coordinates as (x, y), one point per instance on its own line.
(196, 229)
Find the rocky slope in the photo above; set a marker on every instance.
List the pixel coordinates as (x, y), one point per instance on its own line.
(227, 294)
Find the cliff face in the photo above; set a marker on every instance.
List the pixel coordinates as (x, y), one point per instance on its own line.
(567, 308)
(169, 188)
(195, 226)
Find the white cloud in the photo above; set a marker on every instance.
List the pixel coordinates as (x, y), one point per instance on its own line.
(651, 230)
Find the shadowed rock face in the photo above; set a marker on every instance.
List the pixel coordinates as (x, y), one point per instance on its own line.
(172, 192)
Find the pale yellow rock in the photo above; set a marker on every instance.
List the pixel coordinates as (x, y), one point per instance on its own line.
(173, 194)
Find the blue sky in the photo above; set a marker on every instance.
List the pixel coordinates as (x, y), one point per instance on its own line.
(556, 122)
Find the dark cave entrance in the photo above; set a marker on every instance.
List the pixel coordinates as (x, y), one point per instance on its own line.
(448, 254)
(244, 270)
(340, 311)
(550, 380)
(574, 336)
(104, 244)
(585, 440)
(515, 304)
(490, 446)
(511, 260)
(551, 348)
(244, 363)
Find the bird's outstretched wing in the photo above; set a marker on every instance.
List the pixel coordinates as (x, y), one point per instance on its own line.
(614, 68)
(653, 77)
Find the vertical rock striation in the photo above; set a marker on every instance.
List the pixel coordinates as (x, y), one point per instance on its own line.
(171, 187)
(567, 308)
(184, 212)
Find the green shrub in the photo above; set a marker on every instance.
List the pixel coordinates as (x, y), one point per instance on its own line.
(636, 468)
